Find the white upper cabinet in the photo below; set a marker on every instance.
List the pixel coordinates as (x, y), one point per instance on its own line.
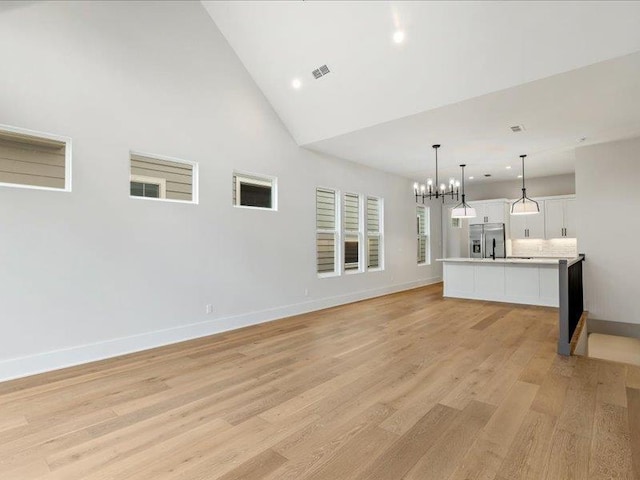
(570, 230)
(559, 218)
(554, 213)
(494, 211)
(528, 226)
(535, 223)
(555, 220)
(518, 228)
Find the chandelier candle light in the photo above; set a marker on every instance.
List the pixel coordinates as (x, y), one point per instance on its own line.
(436, 191)
(463, 210)
(524, 205)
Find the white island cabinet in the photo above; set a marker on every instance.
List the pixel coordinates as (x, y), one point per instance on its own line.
(526, 281)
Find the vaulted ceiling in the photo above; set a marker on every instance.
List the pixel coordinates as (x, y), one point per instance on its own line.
(464, 73)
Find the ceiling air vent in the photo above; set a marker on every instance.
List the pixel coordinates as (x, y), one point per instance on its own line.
(517, 128)
(320, 72)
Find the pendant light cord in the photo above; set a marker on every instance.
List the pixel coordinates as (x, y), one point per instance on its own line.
(524, 201)
(437, 181)
(524, 189)
(464, 203)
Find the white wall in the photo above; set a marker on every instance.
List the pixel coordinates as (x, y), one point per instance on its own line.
(93, 273)
(479, 189)
(608, 202)
(455, 240)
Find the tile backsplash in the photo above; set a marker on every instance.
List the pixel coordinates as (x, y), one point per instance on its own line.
(556, 247)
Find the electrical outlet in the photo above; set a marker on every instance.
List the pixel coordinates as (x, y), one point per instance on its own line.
(306, 292)
(209, 309)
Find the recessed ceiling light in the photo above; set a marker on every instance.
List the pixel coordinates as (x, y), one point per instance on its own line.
(398, 36)
(519, 176)
(470, 178)
(296, 83)
(508, 167)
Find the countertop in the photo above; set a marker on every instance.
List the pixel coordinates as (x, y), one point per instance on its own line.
(530, 261)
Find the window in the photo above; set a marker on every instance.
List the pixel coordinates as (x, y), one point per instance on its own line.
(326, 231)
(34, 160)
(164, 178)
(349, 232)
(149, 187)
(254, 191)
(422, 226)
(351, 228)
(374, 233)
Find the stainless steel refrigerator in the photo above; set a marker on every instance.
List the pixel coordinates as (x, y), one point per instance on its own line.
(487, 241)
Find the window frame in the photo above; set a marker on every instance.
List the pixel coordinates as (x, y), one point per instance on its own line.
(161, 182)
(195, 200)
(372, 234)
(259, 180)
(44, 136)
(351, 233)
(426, 235)
(336, 232)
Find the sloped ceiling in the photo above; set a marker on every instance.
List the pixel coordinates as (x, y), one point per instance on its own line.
(465, 72)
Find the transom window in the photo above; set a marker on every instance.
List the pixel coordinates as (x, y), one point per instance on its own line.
(163, 178)
(34, 160)
(254, 191)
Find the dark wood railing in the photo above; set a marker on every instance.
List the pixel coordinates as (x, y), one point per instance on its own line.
(571, 301)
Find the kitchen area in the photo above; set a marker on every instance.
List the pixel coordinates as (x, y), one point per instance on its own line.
(505, 257)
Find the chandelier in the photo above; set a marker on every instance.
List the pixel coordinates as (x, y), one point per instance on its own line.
(436, 190)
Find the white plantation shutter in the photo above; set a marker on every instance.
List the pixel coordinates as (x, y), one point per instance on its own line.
(422, 233)
(374, 233)
(326, 230)
(349, 227)
(352, 234)
(351, 212)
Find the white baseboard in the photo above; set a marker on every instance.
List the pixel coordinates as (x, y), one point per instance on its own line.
(54, 360)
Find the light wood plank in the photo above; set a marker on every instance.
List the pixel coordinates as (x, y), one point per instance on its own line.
(408, 385)
(633, 413)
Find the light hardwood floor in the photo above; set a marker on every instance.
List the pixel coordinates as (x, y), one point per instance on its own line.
(407, 386)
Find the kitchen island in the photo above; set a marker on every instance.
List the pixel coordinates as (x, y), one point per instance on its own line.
(531, 281)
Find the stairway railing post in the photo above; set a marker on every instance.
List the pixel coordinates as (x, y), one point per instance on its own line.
(564, 347)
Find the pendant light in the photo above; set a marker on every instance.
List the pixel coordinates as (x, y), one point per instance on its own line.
(524, 205)
(463, 210)
(436, 190)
